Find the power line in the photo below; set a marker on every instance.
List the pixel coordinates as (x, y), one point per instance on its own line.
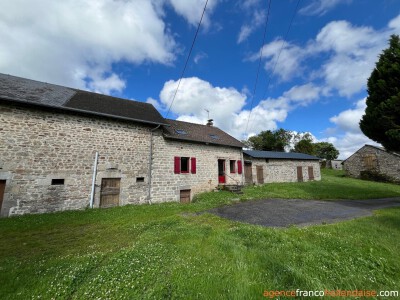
(259, 65)
(282, 46)
(280, 51)
(187, 59)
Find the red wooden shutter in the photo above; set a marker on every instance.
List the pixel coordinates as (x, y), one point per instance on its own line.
(239, 167)
(193, 165)
(177, 165)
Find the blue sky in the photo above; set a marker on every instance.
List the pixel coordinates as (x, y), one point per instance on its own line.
(136, 50)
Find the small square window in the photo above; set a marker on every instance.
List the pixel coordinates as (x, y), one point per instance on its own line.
(57, 182)
(232, 165)
(139, 179)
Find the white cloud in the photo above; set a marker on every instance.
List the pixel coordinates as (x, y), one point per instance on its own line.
(321, 7)
(191, 10)
(348, 120)
(354, 51)
(227, 105)
(74, 42)
(199, 56)
(349, 138)
(257, 19)
(290, 58)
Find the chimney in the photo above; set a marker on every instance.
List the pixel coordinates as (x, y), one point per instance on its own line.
(210, 122)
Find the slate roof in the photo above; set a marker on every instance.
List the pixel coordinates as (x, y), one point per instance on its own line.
(279, 155)
(186, 131)
(21, 90)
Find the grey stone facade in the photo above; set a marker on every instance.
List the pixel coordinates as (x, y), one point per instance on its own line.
(371, 158)
(166, 185)
(38, 146)
(284, 170)
(40, 149)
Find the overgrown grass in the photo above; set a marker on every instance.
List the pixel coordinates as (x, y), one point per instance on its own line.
(168, 252)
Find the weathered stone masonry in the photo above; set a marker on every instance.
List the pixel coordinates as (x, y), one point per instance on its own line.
(37, 146)
(371, 158)
(166, 185)
(279, 170)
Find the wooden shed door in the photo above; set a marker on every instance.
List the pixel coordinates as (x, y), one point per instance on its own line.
(2, 188)
(185, 196)
(260, 174)
(299, 174)
(109, 195)
(248, 173)
(310, 173)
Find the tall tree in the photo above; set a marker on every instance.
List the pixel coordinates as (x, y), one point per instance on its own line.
(381, 121)
(326, 150)
(269, 140)
(304, 146)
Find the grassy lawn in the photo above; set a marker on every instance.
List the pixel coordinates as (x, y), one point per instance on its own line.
(167, 252)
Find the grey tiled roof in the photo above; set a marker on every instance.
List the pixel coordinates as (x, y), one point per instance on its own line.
(21, 90)
(186, 131)
(279, 155)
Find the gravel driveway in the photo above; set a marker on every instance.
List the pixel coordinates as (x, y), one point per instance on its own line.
(286, 212)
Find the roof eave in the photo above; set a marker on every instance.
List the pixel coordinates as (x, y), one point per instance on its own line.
(201, 142)
(63, 108)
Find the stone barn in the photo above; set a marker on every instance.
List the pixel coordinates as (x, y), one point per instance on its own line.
(375, 159)
(268, 166)
(63, 148)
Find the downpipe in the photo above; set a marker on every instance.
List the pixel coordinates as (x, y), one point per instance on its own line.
(94, 179)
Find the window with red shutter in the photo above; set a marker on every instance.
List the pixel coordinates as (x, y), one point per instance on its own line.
(239, 163)
(177, 165)
(193, 165)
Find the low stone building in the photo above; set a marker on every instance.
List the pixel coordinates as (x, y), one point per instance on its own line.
(268, 166)
(372, 158)
(62, 148)
(336, 164)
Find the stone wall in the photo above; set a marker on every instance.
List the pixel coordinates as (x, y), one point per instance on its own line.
(166, 185)
(370, 158)
(284, 170)
(37, 146)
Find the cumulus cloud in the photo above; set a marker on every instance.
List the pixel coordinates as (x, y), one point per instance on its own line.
(349, 137)
(227, 105)
(321, 7)
(76, 42)
(354, 51)
(292, 56)
(351, 53)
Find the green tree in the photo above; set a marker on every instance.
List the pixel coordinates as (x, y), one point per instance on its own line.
(269, 140)
(381, 121)
(325, 150)
(304, 146)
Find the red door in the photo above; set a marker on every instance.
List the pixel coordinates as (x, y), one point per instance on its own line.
(221, 171)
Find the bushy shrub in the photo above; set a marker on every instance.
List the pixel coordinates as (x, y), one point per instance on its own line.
(376, 176)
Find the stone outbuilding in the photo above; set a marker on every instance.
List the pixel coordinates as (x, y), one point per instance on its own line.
(373, 158)
(63, 148)
(268, 166)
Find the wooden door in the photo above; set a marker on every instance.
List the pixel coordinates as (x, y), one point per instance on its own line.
(260, 174)
(2, 188)
(109, 194)
(248, 173)
(299, 174)
(310, 173)
(185, 196)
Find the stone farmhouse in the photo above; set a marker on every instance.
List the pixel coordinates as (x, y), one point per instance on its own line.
(372, 158)
(267, 166)
(63, 148)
